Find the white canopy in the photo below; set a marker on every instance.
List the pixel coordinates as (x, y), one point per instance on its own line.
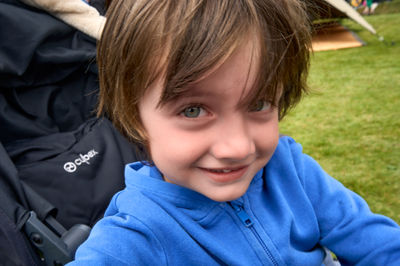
(349, 11)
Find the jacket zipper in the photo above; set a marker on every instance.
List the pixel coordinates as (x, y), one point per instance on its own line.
(248, 223)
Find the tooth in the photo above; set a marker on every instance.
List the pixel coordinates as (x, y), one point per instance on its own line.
(220, 170)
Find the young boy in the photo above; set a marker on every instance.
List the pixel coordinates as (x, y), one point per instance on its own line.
(201, 86)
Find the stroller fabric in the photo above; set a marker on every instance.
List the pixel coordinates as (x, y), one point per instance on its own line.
(14, 247)
(48, 77)
(56, 157)
(76, 171)
(76, 13)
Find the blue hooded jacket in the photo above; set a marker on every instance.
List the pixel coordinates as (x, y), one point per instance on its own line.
(291, 210)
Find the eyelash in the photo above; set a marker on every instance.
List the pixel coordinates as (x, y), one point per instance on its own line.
(254, 107)
(192, 106)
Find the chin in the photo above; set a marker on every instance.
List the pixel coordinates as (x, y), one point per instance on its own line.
(226, 195)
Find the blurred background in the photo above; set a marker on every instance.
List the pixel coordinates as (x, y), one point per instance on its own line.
(350, 120)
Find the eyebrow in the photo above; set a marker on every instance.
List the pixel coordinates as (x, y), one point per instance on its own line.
(196, 90)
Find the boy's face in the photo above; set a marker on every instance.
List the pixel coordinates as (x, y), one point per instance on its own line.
(206, 140)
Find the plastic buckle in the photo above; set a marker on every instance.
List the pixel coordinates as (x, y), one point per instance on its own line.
(53, 249)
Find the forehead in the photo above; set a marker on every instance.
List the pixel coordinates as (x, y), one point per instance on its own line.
(238, 71)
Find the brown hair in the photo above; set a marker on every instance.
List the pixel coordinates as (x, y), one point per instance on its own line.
(183, 39)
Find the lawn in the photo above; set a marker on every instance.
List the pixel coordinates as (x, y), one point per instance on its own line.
(350, 121)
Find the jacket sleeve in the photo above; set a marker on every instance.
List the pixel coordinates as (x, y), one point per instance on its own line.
(347, 226)
(120, 240)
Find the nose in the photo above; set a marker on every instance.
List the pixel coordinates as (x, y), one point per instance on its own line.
(233, 141)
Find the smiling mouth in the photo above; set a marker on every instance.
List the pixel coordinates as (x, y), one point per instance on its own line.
(222, 170)
(225, 175)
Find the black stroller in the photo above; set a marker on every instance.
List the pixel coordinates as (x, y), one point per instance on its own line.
(59, 163)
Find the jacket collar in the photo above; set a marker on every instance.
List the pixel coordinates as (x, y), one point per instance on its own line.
(149, 180)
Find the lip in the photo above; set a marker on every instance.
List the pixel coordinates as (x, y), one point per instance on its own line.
(234, 174)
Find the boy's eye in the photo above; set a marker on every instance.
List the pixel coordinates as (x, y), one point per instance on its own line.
(260, 105)
(193, 111)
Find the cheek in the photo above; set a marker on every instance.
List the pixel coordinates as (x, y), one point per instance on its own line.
(266, 139)
(169, 145)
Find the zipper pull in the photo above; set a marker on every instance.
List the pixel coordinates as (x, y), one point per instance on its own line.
(241, 213)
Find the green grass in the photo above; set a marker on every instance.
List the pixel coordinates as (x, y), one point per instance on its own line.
(350, 121)
(388, 7)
